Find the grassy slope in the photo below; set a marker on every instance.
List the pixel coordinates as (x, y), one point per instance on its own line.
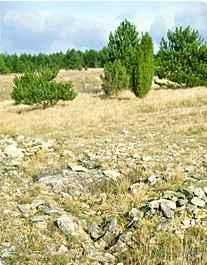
(163, 117)
(90, 114)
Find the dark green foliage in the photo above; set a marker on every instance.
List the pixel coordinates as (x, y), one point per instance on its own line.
(72, 59)
(143, 68)
(92, 59)
(122, 45)
(115, 78)
(3, 67)
(48, 74)
(183, 58)
(134, 54)
(39, 88)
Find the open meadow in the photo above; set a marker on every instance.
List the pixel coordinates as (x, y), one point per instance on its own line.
(104, 180)
(91, 114)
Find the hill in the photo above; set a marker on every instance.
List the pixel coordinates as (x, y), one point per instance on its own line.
(104, 181)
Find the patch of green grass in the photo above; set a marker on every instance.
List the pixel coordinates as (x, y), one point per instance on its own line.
(86, 219)
(18, 259)
(58, 259)
(72, 208)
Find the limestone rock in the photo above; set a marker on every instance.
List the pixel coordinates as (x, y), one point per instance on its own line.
(8, 250)
(13, 151)
(77, 168)
(167, 208)
(112, 174)
(198, 202)
(62, 249)
(95, 231)
(67, 225)
(199, 192)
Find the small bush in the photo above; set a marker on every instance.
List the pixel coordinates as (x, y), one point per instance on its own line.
(115, 78)
(39, 88)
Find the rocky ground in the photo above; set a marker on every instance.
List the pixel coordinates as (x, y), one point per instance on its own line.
(134, 197)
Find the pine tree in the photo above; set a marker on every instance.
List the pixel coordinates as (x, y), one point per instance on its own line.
(183, 58)
(122, 45)
(143, 68)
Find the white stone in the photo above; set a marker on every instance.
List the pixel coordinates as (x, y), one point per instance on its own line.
(67, 225)
(112, 174)
(125, 132)
(13, 151)
(8, 250)
(77, 168)
(108, 258)
(152, 179)
(62, 249)
(154, 204)
(146, 158)
(170, 204)
(68, 153)
(205, 190)
(135, 156)
(48, 144)
(167, 208)
(186, 223)
(198, 202)
(134, 213)
(199, 192)
(134, 188)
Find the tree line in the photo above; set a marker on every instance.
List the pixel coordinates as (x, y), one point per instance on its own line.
(128, 60)
(72, 59)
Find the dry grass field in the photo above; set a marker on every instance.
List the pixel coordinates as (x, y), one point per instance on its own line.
(163, 120)
(91, 114)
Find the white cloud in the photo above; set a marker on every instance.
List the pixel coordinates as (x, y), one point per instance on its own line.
(48, 31)
(36, 21)
(44, 27)
(196, 17)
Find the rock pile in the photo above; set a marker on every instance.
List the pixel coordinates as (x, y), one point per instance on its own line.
(61, 208)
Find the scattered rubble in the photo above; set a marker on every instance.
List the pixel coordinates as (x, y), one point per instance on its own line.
(62, 204)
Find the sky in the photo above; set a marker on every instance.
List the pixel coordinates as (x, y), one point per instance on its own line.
(53, 26)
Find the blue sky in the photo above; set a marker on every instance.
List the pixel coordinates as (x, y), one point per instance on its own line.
(52, 26)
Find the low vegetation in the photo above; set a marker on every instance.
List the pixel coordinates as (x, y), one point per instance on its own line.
(115, 78)
(39, 88)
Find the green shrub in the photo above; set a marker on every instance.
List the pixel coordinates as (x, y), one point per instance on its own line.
(39, 88)
(115, 78)
(143, 70)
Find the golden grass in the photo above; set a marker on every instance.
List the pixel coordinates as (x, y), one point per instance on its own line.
(82, 80)
(6, 85)
(91, 114)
